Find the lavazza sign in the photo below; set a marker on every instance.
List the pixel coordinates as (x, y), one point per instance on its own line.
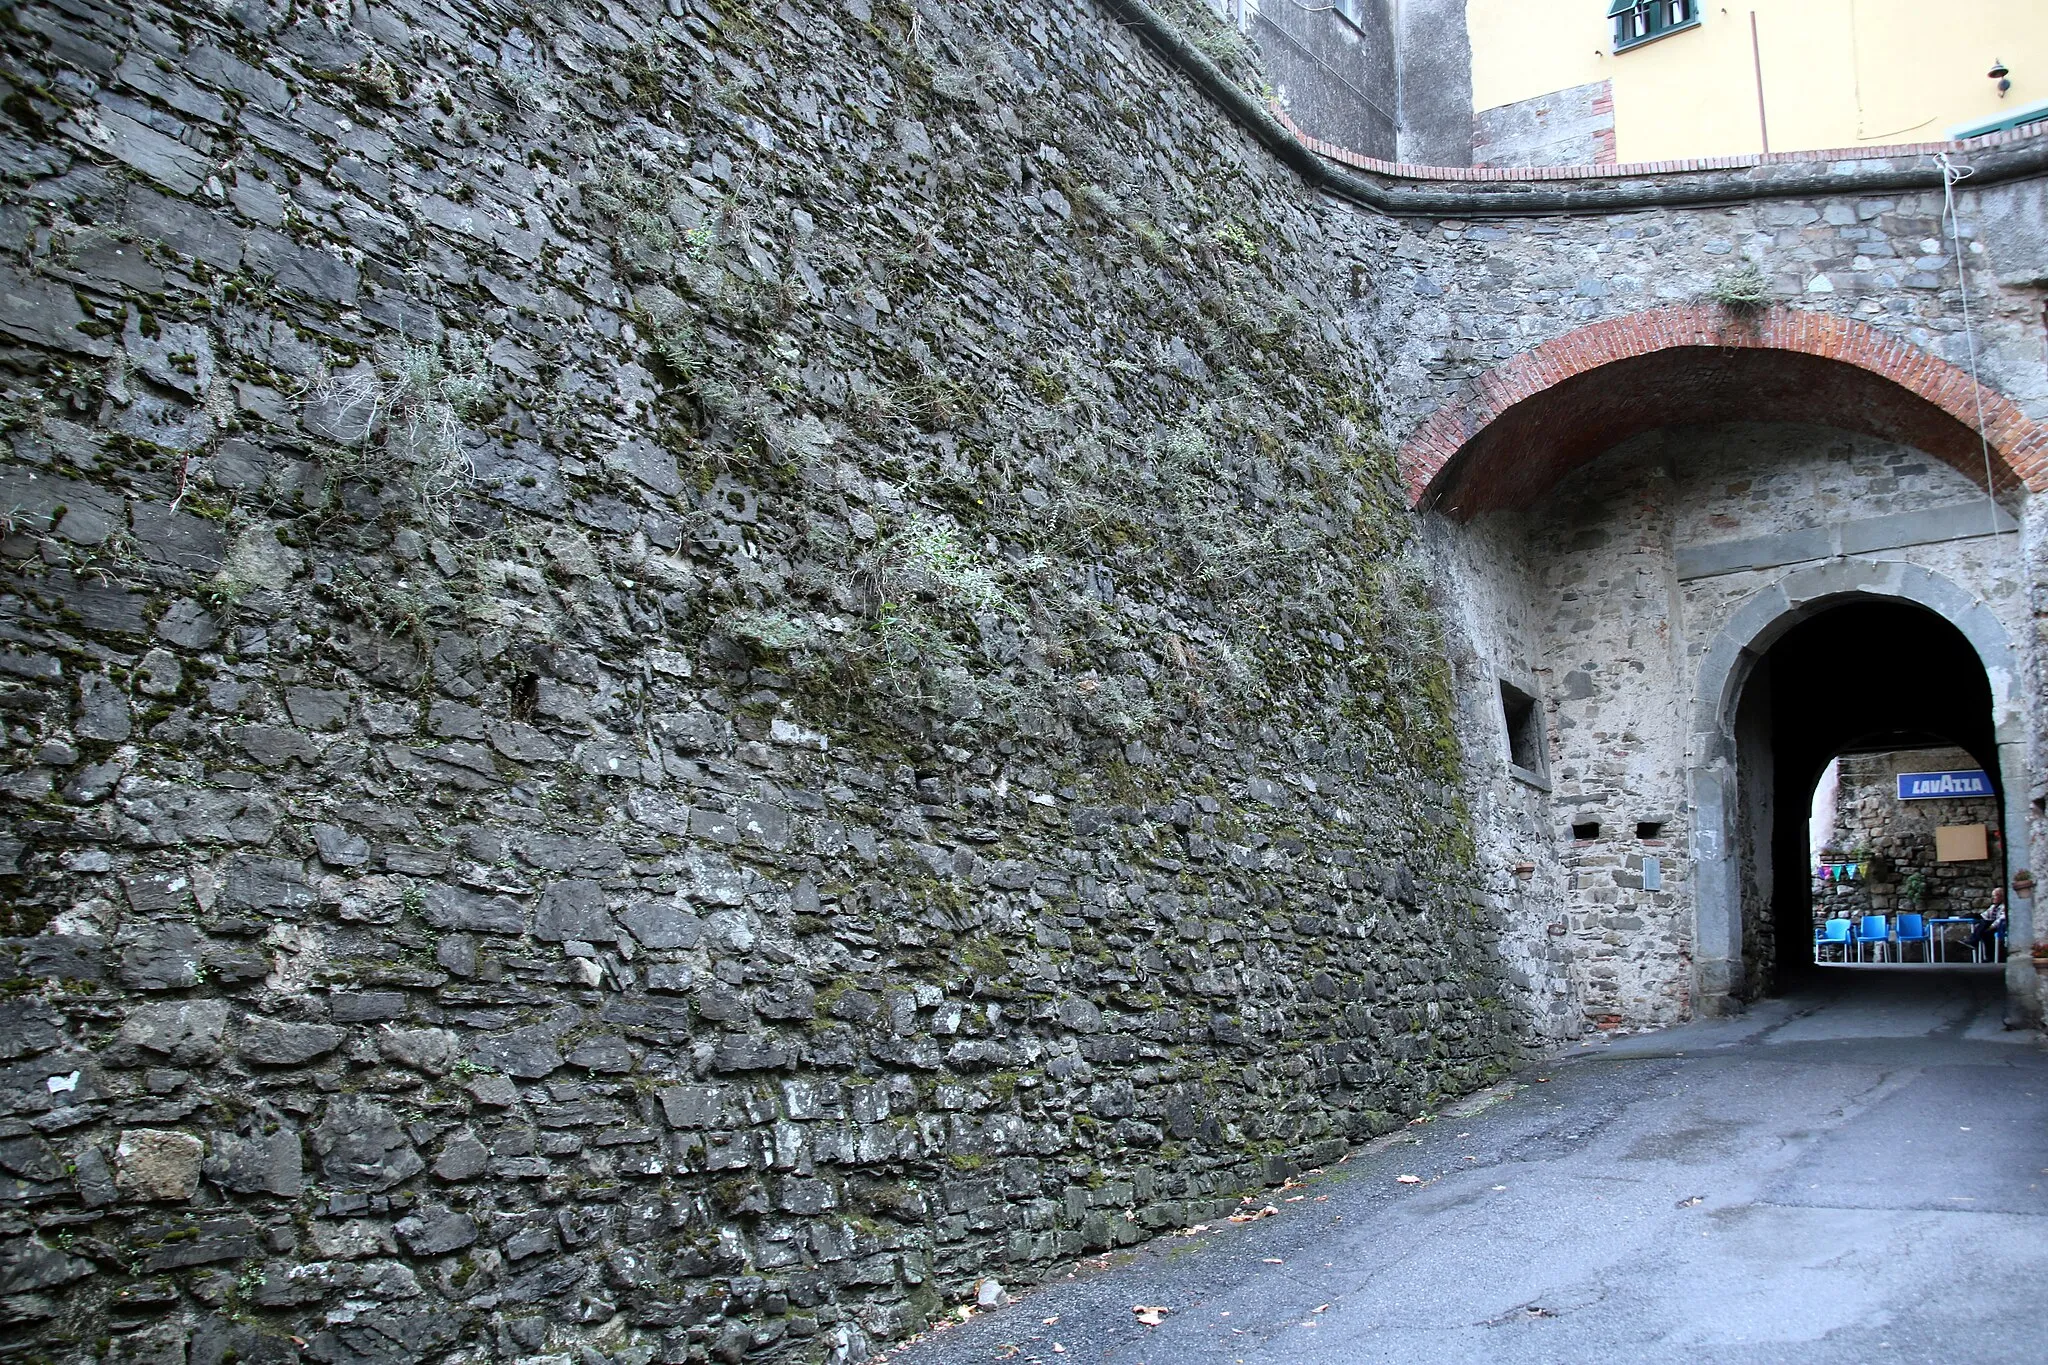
(1922, 786)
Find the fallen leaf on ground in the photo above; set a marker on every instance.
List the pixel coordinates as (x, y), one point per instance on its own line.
(1688, 1203)
(1273, 1260)
(1543, 1080)
(1498, 1188)
(1150, 1314)
(1051, 1320)
(1409, 1179)
(1324, 1308)
(1249, 1217)
(1059, 1348)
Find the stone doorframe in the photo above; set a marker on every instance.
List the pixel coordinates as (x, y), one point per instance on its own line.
(1754, 628)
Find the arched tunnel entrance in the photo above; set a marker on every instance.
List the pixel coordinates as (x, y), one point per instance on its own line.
(1858, 676)
(1694, 558)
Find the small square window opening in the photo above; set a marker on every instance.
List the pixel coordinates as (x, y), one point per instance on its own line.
(1524, 726)
(1649, 829)
(1588, 829)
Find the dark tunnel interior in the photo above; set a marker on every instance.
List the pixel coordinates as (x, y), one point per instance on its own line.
(1862, 676)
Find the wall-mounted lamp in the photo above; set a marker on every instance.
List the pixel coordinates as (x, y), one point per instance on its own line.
(2000, 74)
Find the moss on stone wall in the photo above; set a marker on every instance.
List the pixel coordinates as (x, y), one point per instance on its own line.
(681, 675)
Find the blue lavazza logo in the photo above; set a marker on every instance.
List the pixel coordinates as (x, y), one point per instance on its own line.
(1925, 786)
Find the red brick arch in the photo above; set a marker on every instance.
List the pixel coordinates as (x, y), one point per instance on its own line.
(1526, 424)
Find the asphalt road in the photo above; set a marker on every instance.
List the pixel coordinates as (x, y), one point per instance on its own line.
(1858, 1173)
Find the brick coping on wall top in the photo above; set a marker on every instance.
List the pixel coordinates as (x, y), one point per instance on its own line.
(1406, 170)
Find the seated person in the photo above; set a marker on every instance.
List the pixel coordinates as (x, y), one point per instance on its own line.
(1990, 923)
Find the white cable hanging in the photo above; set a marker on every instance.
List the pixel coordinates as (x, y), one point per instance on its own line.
(1950, 174)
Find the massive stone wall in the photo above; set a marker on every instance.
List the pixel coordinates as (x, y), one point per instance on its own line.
(680, 676)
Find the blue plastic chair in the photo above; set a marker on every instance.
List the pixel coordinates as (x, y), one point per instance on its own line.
(1870, 933)
(1913, 929)
(1833, 934)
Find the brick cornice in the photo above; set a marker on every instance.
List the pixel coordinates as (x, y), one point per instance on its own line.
(2018, 446)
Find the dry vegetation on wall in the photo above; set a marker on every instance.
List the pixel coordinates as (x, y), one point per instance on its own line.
(678, 676)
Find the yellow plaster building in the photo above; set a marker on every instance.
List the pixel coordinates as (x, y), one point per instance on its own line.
(1655, 80)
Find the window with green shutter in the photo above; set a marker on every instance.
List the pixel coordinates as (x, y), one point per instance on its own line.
(1640, 21)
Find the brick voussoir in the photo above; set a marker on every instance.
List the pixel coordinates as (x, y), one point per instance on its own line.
(1554, 367)
(1951, 391)
(2007, 431)
(1525, 377)
(2030, 457)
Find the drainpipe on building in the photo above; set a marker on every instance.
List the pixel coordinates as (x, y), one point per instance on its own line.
(1756, 55)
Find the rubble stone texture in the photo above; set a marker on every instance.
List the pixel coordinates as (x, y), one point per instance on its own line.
(681, 678)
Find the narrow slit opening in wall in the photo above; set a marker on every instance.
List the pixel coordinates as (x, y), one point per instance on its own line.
(1588, 829)
(1525, 727)
(525, 696)
(1649, 829)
